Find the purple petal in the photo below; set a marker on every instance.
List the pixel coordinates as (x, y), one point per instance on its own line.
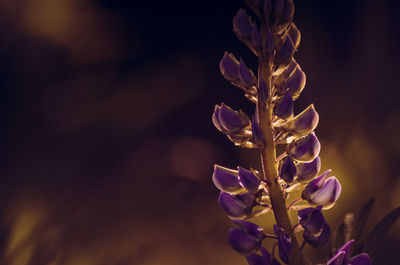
(242, 242)
(288, 170)
(248, 180)
(233, 206)
(231, 120)
(265, 259)
(327, 194)
(229, 67)
(361, 259)
(215, 119)
(307, 171)
(314, 185)
(305, 149)
(242, 25)
(284, 244)
(246, 76)
(284, 109)
(304, 123)
(295, 35)
(250, 229)
(257, 42)
(337, 259)
(262, 90)
(257, 132)
(284, 55)
(347, 250)
(226, 179)
(248, 198)
(319, 240)
(296, 82)
(311, 219)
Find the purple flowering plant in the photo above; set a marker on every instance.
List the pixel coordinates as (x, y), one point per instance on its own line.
(247, 193)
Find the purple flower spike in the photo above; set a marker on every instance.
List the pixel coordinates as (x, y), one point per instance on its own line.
(284, 55)
(304, 123)
(246, 239)
(284, 244)
(226, 179)
(284, 109)
(229, 67)
(249, 180)
(342, 257)
(246, 76)
(264, 259)
(322, 192)
(307, 171)
(230, 120)
(242, 24)
(262, 90)
(295, 35)
(305, 149)
(288, 170)
(311, 219)
(257, 42)
(236, 206)
(257, 132)
(320, 239)
(296, 82)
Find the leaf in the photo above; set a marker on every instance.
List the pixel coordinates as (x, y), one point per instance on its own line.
(381, 229)
(360, 224)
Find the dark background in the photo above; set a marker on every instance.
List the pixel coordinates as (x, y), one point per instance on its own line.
(106, 141)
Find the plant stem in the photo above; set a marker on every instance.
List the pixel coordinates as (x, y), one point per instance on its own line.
(270, 166)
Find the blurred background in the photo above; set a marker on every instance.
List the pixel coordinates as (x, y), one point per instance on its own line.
(107, 144)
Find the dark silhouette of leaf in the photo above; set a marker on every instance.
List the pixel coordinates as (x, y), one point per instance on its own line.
(380, 230)
(359, 226)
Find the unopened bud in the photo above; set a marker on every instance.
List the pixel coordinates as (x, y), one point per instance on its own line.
(307, 171)
(249, 180)
(246, 76)
(304, 123)
(226, 179)
(284, 109)
(242, 24)
(284, 55)
(229, 67)
(288, 170)
(296, 82)
(305, 149)
(229, 120)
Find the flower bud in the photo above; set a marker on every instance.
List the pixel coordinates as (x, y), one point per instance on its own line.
(284, 244)
(305, 149)
(236, 206)
(307, 171)
(229, 120)
(249, 180)
(262, 90)
(264, 259)
(246, 76)
(296, 82)
(256, 132)
(246, 239)
(322, 191)
(295, 35)
(229, 67)
(311, 219)
(320, 239)
(226, 179)
(284, 55)
(257, 42)
(304, 123)
(284, 109)
(242, 25)
(288, 170)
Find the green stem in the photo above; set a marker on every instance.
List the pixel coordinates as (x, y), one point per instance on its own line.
(270, 167)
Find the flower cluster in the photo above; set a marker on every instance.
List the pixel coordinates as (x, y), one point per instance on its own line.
(247, 193)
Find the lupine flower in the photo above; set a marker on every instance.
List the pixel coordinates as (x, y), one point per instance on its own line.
(242, 24)
(284, 244)
(229, 121)
(249, 180)
(256, 132)
(246, 76)
(236, 206)
(288, 170)
(304, 123)
(342, 256)
(305, 149)
(284, 55)
(263, 259)
(296, 82)
(246, 239)
(307, 171)
(284, 109)
(316, 230)
(229, 67)
(322, 191)
(226, 179)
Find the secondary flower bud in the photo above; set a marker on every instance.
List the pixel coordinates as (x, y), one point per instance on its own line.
(229, 67)
(305, 149)
(284, 109)
(307, 171)
(249, 180)
(226, 179)
(304, 123)
(288, 170)
(242, 24)
(236, 206)
(246, 76)
(322, 191)
(246, 239)
(284, 55)
(229, 121)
